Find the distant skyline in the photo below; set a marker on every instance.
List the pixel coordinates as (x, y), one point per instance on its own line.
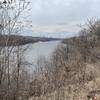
(62, 15)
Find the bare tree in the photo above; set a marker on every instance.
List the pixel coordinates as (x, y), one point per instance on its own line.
(10, 23)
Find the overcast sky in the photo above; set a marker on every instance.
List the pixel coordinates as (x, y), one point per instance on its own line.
(62, 15)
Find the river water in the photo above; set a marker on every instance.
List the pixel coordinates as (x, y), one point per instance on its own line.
(39, 49)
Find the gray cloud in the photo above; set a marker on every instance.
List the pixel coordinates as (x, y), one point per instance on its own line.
(45, 12)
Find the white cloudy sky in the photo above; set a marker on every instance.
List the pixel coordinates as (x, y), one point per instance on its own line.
(62, 15)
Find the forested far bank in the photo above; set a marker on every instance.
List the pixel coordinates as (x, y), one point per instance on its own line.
(19, 40)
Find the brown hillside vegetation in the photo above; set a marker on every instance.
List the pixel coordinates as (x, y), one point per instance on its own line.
(73, 71)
